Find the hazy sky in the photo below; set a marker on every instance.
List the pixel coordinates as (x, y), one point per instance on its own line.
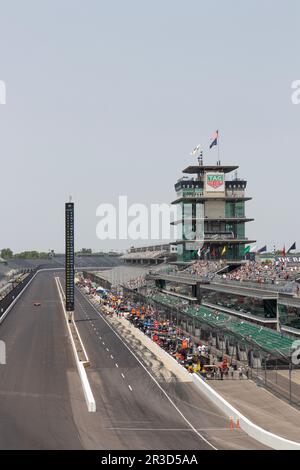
(108, 98)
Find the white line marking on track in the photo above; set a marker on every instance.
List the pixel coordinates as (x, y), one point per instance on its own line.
(123, 376)
(169, 429)
(117, 365)
(111, 356)
(130, 388)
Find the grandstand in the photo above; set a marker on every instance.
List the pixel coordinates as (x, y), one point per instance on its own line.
(150, 255)
(271, 272)
(145, 256)
(266, 339)
(132, 277)
(206, 269)
(91, 261)
(97, 261)
(271, 275)
(135, 283)
(169, 300)
(262, 338)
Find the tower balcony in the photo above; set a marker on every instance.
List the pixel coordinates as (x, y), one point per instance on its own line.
(189, 199)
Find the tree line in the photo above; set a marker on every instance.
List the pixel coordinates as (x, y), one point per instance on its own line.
(7, 253)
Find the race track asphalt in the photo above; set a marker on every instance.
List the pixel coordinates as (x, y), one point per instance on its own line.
(42, 404)
(35, 409)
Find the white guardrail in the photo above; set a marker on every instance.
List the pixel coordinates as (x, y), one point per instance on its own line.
(6, 312)
(259, 434)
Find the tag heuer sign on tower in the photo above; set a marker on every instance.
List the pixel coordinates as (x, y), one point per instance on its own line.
(215, 182)
(70, 269)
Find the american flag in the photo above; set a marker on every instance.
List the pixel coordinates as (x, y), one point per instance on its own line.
(214, 139)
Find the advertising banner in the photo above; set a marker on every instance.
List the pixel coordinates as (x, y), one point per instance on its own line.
(215, 182)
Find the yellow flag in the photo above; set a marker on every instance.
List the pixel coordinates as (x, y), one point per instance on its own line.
(224, 250)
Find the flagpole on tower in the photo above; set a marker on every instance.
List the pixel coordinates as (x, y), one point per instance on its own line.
(215, 141)
(219, 163)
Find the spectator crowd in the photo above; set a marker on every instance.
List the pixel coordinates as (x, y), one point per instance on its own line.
(272, 272)
(203, 268)
(135, 283)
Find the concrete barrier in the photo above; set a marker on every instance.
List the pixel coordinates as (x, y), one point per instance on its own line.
(265, 437)
(88, 394)
(169, 357)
